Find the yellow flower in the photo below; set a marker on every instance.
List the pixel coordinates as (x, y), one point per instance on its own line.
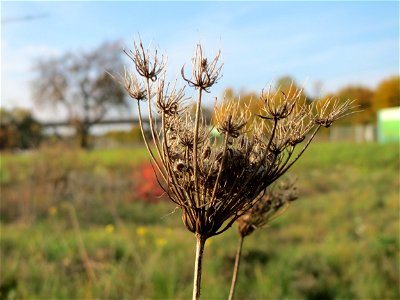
(161, 242)
(109, 228)
(141, 231)
(52, 211)
(208, 242)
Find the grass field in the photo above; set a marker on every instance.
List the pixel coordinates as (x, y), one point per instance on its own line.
(73, 228)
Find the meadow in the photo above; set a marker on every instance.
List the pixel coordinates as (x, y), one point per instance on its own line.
(74, 226)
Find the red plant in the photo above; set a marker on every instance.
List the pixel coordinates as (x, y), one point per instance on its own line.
(145, 185)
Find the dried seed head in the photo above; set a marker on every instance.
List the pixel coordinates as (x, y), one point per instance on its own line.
(180, 166)
(268, 208)
(278, 105)
(186, 137)
(147, 65)
(134, 88)
(331, 111)
(204, 74)
(168, 102)
(215, 181)
(231, 118)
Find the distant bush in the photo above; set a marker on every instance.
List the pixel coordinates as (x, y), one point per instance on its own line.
(19, 129)
(133, 136)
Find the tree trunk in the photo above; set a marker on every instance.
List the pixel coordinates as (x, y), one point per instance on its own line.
(84, 137)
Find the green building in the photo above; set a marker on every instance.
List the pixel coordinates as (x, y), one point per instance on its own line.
(388, 127)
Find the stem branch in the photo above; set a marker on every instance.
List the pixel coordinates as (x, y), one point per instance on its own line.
(236, 268)
(197, 266)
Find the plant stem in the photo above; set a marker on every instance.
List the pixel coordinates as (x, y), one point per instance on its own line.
(195, 142)
(197, 266)
(81, 246)
(236, 268)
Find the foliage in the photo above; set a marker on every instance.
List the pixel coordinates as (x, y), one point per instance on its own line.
(288, 85)
(81, 83)
(249, 101)
(369, 101)
(387, 93)
(19, 129)
(134, 135)
(345, 221)
(146, 186)
(363, 98)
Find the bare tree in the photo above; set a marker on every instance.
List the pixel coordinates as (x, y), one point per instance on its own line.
(80, 82)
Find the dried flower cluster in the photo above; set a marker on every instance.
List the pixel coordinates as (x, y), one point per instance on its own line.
(273, 204)
(215, 182)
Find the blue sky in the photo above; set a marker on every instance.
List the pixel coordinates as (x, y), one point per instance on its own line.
(335, 43)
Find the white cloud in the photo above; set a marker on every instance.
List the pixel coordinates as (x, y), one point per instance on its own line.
(17, 73)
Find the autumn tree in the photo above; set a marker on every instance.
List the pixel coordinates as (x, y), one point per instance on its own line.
(82, 84)
(286, 86)
(246, 100)
(363, 98)
(289, 87)
(387, 93)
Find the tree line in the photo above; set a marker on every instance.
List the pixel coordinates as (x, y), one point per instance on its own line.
(86, 85)
(369, 101)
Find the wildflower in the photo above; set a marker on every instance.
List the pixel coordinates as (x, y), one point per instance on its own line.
(109, 228)
(52, 211)
(160, 242)
(141, 231)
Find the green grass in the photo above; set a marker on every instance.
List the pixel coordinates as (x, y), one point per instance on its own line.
(340, 240)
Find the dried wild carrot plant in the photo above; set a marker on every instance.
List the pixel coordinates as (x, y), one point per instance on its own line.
(214, 183)
(275, 201)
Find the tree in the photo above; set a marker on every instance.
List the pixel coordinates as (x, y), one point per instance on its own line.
(248, 101)
(363, 98)
(288, 85)
(387, 93)
(81, 83)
